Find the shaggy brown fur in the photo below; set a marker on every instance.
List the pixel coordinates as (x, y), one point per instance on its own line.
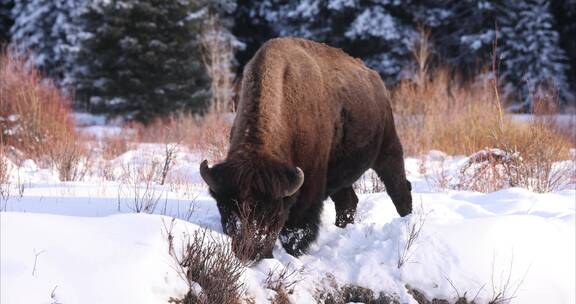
(307, 105)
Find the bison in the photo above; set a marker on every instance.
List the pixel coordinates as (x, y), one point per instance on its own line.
(310, 121)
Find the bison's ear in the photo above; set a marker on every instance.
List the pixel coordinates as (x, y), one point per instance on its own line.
(208, 177)
(295, 183)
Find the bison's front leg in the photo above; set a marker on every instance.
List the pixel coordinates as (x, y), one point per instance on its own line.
(300, 231)
(345, 201)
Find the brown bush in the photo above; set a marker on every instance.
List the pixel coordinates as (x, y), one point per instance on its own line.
(34, 114)
(256, 234)
(437, 112)
(282, 282)
(117, 144)
(4, 178)
(3, 165)
(436, 115)
(489, 170)
(468, 119)
(208, 134)
(210, 263)
(70, 158)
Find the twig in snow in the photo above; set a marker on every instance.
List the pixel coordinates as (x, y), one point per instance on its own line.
(36, 254)
(413, 233)
(507, 289)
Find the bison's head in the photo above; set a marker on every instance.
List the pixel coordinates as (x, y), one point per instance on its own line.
(254, 200)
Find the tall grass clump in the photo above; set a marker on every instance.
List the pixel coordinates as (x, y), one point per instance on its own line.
(35, 116)
(206, 261)
(208, 134)
(435, 111)
(3, 167)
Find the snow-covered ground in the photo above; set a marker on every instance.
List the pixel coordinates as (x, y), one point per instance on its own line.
(82, 242)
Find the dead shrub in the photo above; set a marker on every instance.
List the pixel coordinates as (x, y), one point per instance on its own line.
(433, 166)
(438, 115)
(207, 261)
(437, 112)
(208, 134)
(4, 176)
(530, 155)
(170, 152)
(543, 149)
(138, 191)
(213, 137)
(255, 234)
(282, 281)
(34, 114)
(504, 287)
(71, 159)
(117, 144)
(3, 166)
(413, 228)
(489, 170)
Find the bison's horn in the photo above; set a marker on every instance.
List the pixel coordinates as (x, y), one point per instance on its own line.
(297, 183)
(207, 175)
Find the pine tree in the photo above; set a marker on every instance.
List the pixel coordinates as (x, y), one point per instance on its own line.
(565, 13)
(464, 33)
(380, 32)
(251, 28)
(140, 58)
(66, 32)
(5, 20)
(42, 30)
(530, 50)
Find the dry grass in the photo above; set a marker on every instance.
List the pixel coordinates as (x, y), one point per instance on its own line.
(213, 137)
(210, 263)
(208, 134)
(71, 159)
(117, 144)
(3, 166)
(433, 115)
(4, 177)
(435, 112)
(282, 281)
(413, 229)
(138, 191)
(34, 114)
(434, 167)
(35, 118)
(489, 170)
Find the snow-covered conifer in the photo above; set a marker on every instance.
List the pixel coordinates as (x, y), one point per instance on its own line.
(141, 58)
(5, 20)
(43, 29)
(530, 50)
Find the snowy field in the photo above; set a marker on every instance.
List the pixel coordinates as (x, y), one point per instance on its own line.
(83, 242)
